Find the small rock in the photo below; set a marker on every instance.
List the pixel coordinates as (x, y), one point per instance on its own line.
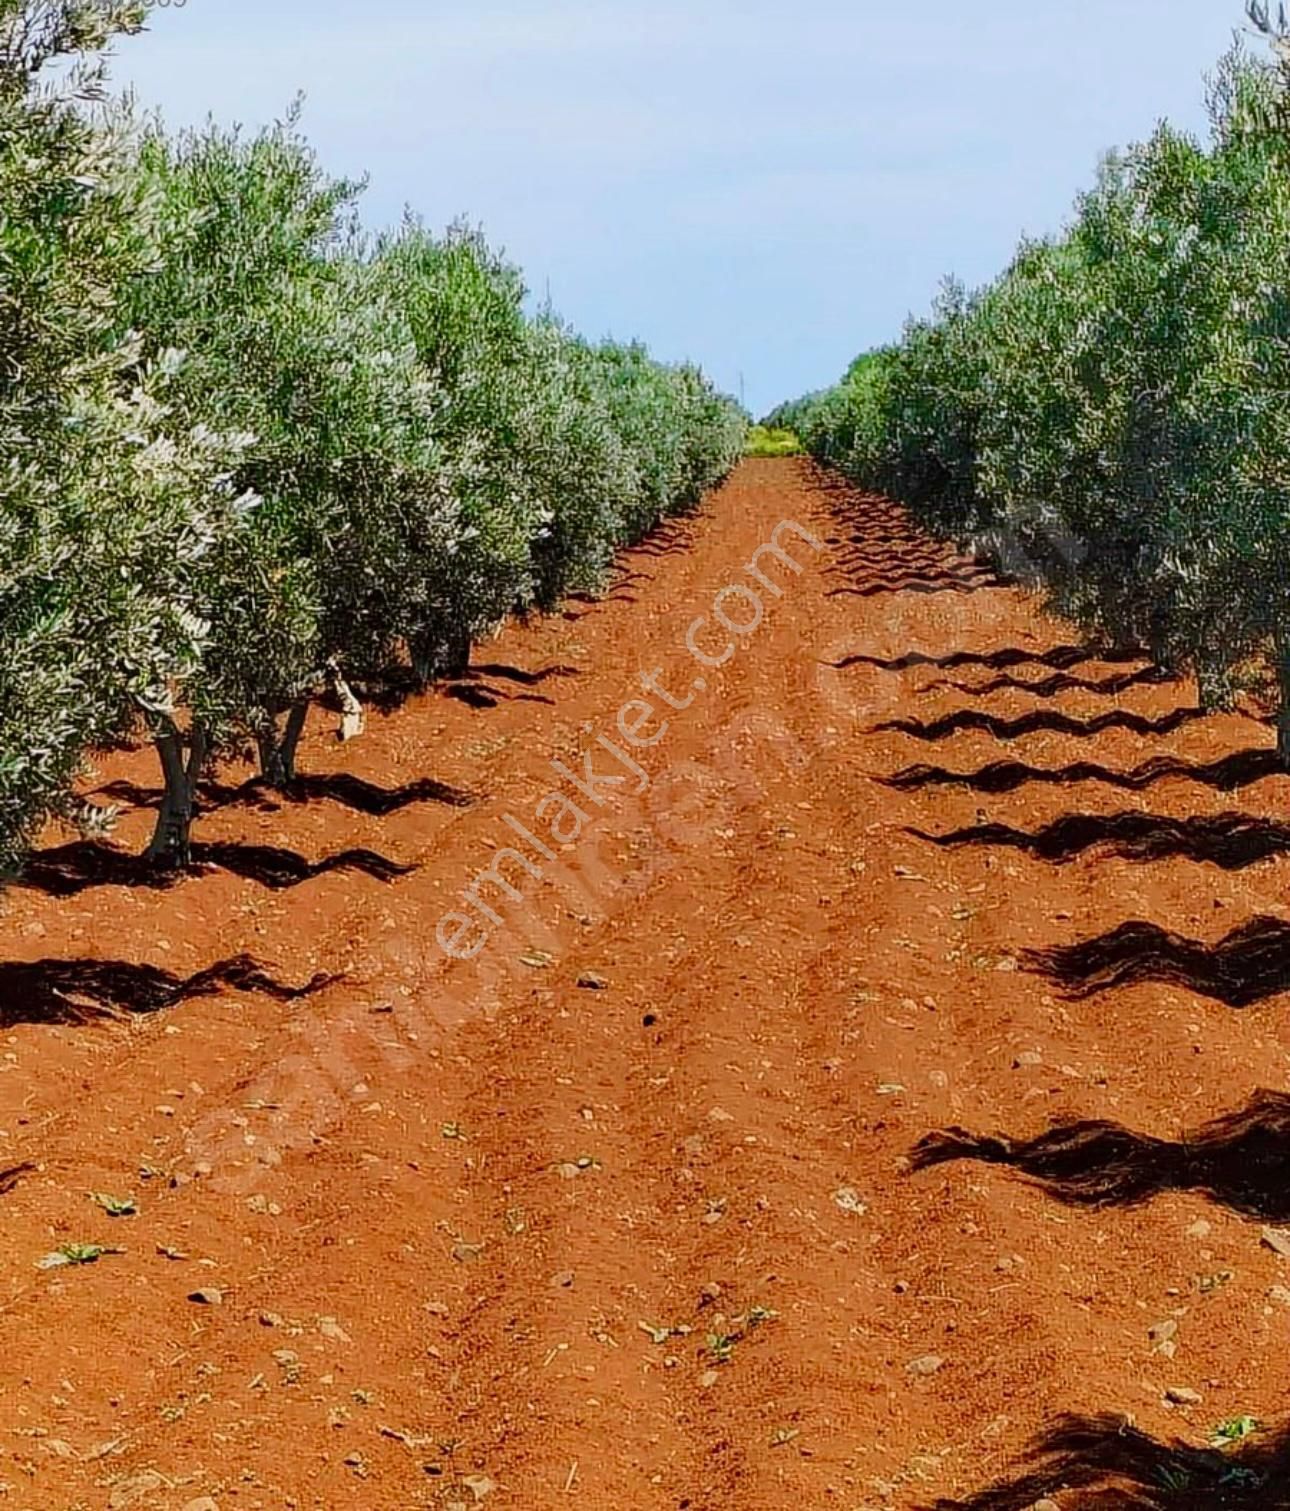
(709, 1294)
(330, 1328)
(569, 1171)
(563, 1280)
(848, 1200)
(1180, 1395)
(127, 1492)
(270, 1319)
(1199, 1229)
(1278, 1240)
(208, 1297)
(202, 1503)
(1028, 1061)
(708, 1378)
(1279, 1294)
(929, 1364)
(591, 982)
(479, 1485)
(1163, 1336)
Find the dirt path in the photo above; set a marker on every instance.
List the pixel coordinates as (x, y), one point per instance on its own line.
(620, 1212)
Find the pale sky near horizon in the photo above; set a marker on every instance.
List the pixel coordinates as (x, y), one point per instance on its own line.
(766, 189)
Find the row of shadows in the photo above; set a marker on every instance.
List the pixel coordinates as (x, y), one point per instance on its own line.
(68, 870)
(82, 991)
(1248, 965)
(880, 554)
(1241, 1160)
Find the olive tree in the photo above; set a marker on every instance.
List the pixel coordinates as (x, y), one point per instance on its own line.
(109, 504)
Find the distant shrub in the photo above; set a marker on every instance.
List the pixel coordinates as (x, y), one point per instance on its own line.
(772, 440)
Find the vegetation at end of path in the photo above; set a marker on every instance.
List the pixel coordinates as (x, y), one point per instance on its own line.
(768, 440)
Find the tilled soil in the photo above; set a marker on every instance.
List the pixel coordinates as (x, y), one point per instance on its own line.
(651, 1202)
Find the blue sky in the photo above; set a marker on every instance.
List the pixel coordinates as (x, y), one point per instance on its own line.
(767, 188)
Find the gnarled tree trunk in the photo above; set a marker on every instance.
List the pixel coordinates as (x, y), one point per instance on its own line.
(171, 847)
(277, 748)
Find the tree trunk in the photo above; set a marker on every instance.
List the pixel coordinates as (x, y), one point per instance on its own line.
(278, 751)
(425, 660)
(441, 652)
(457, 652)
(1283, 714)
(353, 721)
(171, 847)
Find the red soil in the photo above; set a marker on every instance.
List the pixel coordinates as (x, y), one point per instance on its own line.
(794, 989)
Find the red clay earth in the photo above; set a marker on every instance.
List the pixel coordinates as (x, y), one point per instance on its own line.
(621, 1213)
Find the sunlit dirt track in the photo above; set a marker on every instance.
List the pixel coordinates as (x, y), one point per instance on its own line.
(644, 1205)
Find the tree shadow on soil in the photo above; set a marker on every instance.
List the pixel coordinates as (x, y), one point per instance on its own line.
(673, 537)
(1059, 658)
(965, 719)
(1246, 966)
(1240, 1160)
(337, 787)
(1230, 772)
(479, 695)
(1104, 1463)
(1059, 682)
(75, 868)
(943, 582)
(525, 678)
(399, 685)
(1231, 841)
(80, 991)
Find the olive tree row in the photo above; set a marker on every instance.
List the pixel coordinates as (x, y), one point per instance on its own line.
(1109, 415)
(248, 452)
